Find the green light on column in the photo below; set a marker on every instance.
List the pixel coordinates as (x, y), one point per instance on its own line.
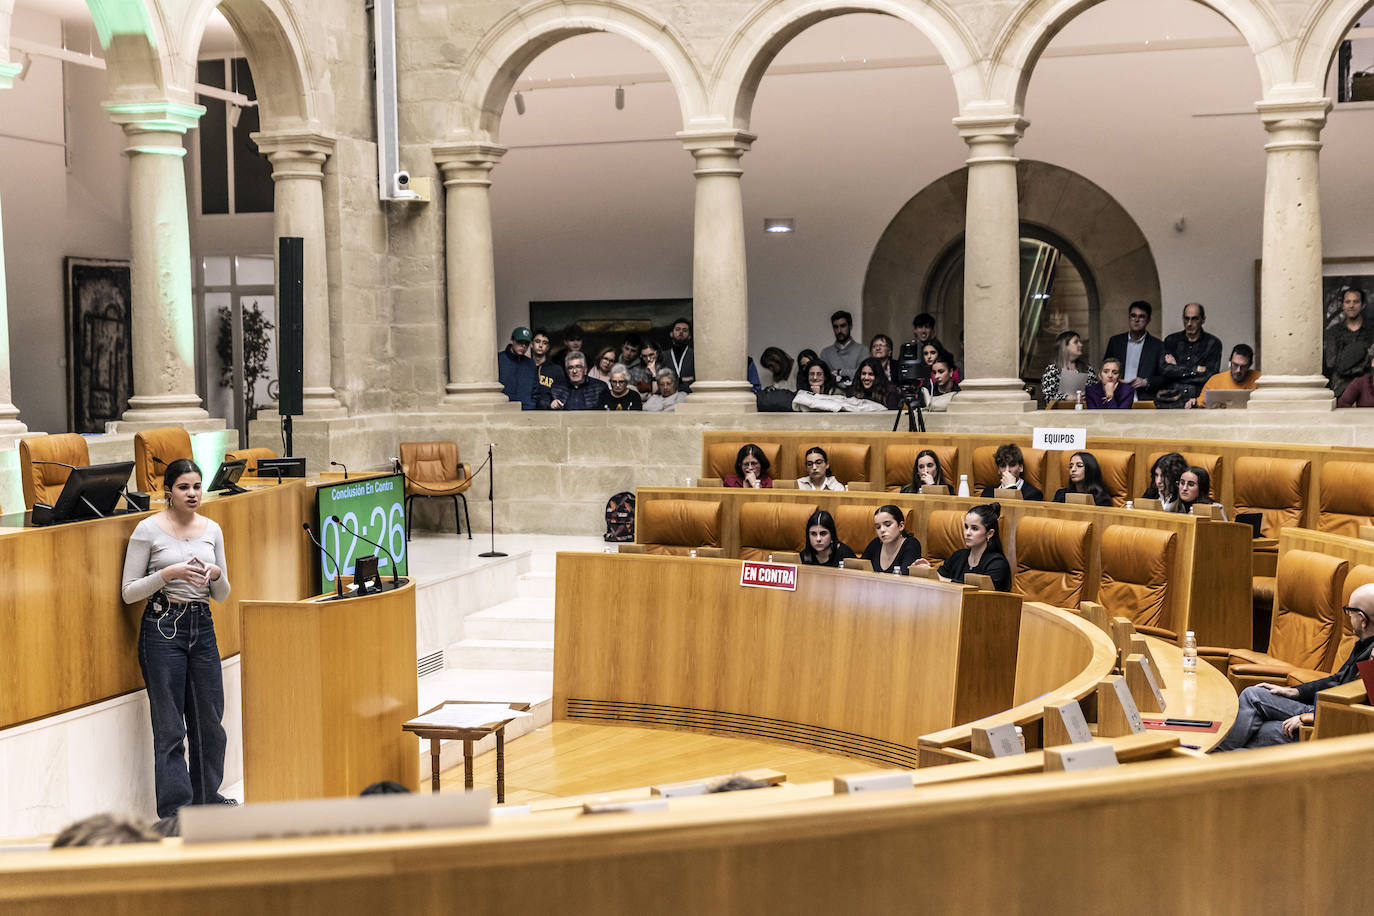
(121, 17)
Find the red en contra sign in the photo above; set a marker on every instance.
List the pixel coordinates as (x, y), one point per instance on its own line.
(768, 575)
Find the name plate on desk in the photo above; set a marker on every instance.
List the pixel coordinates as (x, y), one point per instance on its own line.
(872, 782)
(626, 807)
(1128, 707)
(998, 741)
(1059, 440)
(1075, 724)
(768, 575)
(1080, 757)
(334, 816)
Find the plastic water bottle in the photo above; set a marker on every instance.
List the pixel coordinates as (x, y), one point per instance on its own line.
(896, 570)
(963, 485)
(1189, 653)
(1130, 504)
(1021, 737)
(1078, 400)
(693, 554)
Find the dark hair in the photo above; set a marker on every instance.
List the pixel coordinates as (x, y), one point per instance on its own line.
(827, 384)
(1201, 310)
(816, 449)
(537, 331)
(1204, 489)
(385, 787)
(923, 320)
(1357, 291)
(804, 357)
(896, 513)
(572, 332)
(1246, 351)
(1120, 366)
(1008, 454)
(177, 468)
(1092, 477)
(826, 521)
(1171, 465)
(1144, 306)
(679, 321)
(883, 337)
(879, 391)
(633, 340)
(916, 475)
(948, 363)
(990, 514)
(105, 830)
(1061, 351)
(650, 344)
(842, 314)
(778, 356)
(745, 452)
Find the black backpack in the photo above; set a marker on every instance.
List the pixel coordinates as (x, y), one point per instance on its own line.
(620, 517)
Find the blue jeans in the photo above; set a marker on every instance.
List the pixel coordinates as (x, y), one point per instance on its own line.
(179, 657)
(1259, 721)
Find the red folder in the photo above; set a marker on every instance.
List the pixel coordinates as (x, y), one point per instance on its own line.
(1367, 675)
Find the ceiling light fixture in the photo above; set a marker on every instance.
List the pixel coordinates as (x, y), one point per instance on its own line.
(519, 103)
(780, 225)
(619, 98)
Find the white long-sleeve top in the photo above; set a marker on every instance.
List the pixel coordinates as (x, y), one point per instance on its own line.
(151, 550)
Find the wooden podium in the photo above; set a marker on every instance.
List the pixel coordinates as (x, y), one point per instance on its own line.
(327, 686)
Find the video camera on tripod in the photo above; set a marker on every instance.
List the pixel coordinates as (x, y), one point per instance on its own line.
(909, 374)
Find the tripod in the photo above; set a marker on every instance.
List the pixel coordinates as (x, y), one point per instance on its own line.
(915, 419)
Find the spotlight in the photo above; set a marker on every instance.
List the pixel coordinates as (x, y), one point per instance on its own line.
(619, 98)
(519, 103)
(779, 225)
(24, 66)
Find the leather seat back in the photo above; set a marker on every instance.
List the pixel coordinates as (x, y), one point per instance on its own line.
(985, 467)
(1052, 560)
(899, 460)
(854, 525)
(43, 483)
(1135, 574)
(251, 455)
(720, 459)
(944, 535)
(678, 526)
(1307, 609)
(430, 462)
(154, 449)
(1276, 488)
(1210, 463)
(771, 527)
(849, 461)
(1347, 497)
(1118, 472)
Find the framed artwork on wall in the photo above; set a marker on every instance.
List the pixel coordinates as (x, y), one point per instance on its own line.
(1338, 275)
(100, 355)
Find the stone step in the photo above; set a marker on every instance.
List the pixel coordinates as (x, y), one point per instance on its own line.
(535, 585)
(514, 654)
(523, 619)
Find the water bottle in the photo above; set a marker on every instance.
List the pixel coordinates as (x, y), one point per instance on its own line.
(896, 570)
(693, 554)
(963, 485)
(1078, 400)
(1130, 504)
(1189, 653)
(1021, 737)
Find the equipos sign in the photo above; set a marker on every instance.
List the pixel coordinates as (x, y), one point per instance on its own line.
(1051, 439)
(768, 575)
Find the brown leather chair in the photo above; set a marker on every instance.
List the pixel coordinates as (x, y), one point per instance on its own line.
(1307, 626)
(250, 455)
(854, 525)
(676, 527)
(1276, 488)
(901, 459)
(1212, 464)
(1135, 578)
(432, 471)
(720, 459)
(849, 461)
(43, 482)
(154, 449)
(1052, 560)
(1347, 497)
(1118, 472)
(985, 467)
(772, 527)
(944, 535)
(1361, 574)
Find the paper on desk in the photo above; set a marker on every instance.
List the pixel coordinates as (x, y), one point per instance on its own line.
(467, 715)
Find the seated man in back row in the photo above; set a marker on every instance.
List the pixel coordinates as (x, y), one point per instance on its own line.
(1270, 714)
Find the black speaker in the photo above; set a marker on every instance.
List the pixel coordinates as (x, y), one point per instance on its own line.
(291, 326)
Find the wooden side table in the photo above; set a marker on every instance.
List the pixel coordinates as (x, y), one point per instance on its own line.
(470, 735)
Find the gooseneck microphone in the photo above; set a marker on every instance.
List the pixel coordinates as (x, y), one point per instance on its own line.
(340, 464)
(61, 464)
(358, 534)
(338, 572)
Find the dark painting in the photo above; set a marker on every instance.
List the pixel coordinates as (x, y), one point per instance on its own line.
(100, 363)
(605, 322)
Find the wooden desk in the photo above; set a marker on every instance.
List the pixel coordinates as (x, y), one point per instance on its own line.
(437, 733)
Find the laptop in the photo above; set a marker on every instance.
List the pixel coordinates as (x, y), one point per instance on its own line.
(1255, 520)
(1072, 382)
(1227, 398)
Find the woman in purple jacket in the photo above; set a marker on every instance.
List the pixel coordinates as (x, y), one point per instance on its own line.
(1109, 392)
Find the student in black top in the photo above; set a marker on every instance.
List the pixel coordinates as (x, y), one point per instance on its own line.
(1195, 489)
(1085, 476)
(894, 550)
(925, 472)
(982, 551)
(1011, 466)
(1164, 478)
(823, 545)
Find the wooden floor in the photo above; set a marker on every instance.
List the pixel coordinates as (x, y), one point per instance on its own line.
(573, 758)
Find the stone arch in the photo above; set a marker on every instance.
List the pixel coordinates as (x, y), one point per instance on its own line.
(501, 55)
(1067, 205)
(1035, 23)
(1321, 38)
(135, 38)
(746, 55)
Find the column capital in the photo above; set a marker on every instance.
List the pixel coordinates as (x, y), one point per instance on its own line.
(708, 142)
(8, 72)
(1294, 124)
(310, 142)
(157, 116)
(467, 163)
(991, 138)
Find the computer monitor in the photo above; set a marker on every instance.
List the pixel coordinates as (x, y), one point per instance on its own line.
(281, 467)
(90, 492)
(227, 477)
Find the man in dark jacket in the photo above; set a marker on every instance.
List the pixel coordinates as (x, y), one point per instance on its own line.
(577, 393)
(516, 370)
(1141, 353)
(1345, 345)
(1270, 714)
(1191, 356)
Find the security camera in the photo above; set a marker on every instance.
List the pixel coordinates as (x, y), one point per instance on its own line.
(400, 186)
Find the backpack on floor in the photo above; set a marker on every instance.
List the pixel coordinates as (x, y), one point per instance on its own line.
(620, 517)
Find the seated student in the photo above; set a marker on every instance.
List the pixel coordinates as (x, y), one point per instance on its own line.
(942, 377)
(819, 379)
(1085, 476)
(1270, 714)
(1109, 392)
(894, 550)
(751, 469)
(1164, 477)
(818, 476)
(982, 551)
(619, 394)
(926, 472)
(1195, 489)
(823, 545)
(1011, 465)
(1360, 391)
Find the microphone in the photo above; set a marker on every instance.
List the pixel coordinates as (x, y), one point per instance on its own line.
(336, 520)
(340, 464)
(338, 572)
(61, 464)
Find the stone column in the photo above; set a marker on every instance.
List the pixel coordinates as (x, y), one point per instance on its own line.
(720, 294)
(992, 268)
(10, 424)
(297, 159)
(471, 276)
(164, 339)
(1290, 338)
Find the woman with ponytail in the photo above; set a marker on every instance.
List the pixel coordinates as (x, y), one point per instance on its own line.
(982, 553)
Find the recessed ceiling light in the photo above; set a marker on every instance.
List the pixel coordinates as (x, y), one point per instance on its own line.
(780, 225)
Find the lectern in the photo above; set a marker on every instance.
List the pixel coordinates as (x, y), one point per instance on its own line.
(327, 685)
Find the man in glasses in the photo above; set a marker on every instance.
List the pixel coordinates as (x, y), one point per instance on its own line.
(1191, 356)
(1239, 375)
(1270, 714)
(1140, 351)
